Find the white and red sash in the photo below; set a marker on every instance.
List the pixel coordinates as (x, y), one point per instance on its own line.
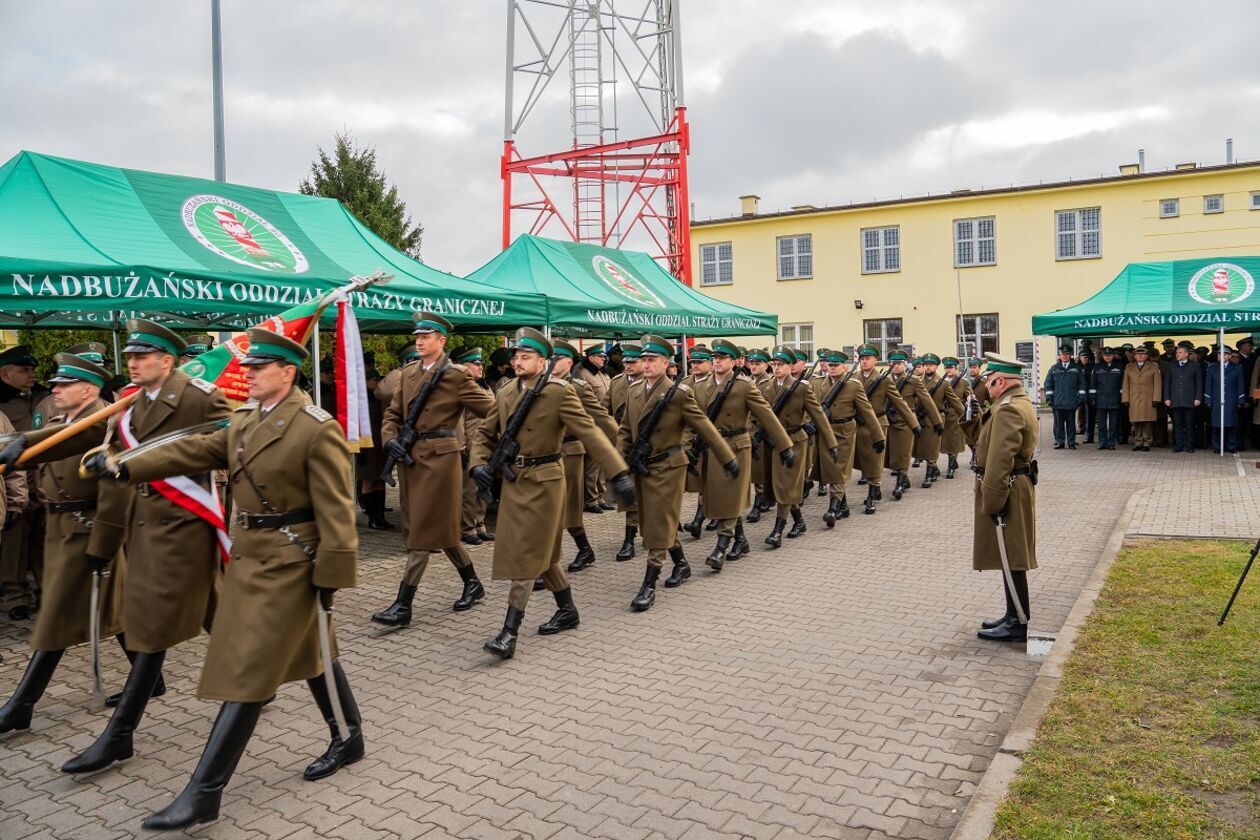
(184, 492)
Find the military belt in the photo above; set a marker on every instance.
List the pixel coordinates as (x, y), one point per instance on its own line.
(730, 433)
(842, 420)
(435, 433)
(1024, 470)
(535, 460)
(72, 506)
(791, 430)
(662, 455)
(569, 438)
(251, 521)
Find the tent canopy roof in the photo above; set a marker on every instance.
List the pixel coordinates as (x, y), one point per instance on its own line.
(83, 244)
(604, 292)
(1166, 298)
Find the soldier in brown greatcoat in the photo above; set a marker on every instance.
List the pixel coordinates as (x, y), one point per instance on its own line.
(954, 442)
(943, 399)
(615, 404)
(22, 543)
(592, 370)
(849, 411)
(699, 380)
(532, 507)
(904, 428)
(431, 509)
(886, 402)
(473, 508)
(759, 372)
(1141, 393)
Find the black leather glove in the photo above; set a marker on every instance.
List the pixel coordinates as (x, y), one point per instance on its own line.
(918, 430)
(483, 475)
(788, 457)
(101, 465)
(878, 446)
(394, 449)
(325, 597)
(10, 454)
(11, 518)
(1155, 403)
(939, 428)
(809, 428)
(623, 487)
(98, 564)
(732, 468)
(834, 452)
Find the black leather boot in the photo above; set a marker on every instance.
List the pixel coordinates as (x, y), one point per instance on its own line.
(375, 507)
(928, 476)
(717, 557)
(199, 800)
(647, 592)
(586, 554)
(339, 753)
(16, 714)
(869, 505)
(740, 547)
(798, 524)
(754, 512)
(158, 690)
(473, 590)
(843, 508)
(711, 525)
(861, 480)
(566, 617)
(398, 614)
(1012, 630)
(626, 552)
(990, 623)
(539, 584)
(504, 644)
(775, 538)
(952, 468)
(809, 485)
(697, 522)
(898, 489)
(833, 510)
(822, 489)
(682, 569)
(114, 744)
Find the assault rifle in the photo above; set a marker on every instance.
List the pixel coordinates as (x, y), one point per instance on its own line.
(698, 446)
(408, 435)
(641, 449)
(504, 455)
(779, 403)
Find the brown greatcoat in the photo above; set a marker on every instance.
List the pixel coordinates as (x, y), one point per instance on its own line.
(726, 497)
(1142, 386)
(902, 425)
(265, 631)
(615, 396)
(70, 537)
(531, 508)
(702, 390)
(1008, 438)
(945, 401)
(473, 509)
(660, 491)
(430, 490)
(173, 573)
(575, 452)
(789, 482)
(880, 396)
(850, 412)
(16, 490)
(968, 430)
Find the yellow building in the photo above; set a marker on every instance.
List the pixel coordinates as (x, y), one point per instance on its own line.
(923, 271)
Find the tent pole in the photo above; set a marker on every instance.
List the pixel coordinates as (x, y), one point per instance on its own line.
(1220, 362)
(117, 353)
(685, 366)
(315, 362)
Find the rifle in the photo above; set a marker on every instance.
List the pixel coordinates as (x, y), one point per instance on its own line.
(504, 455)
(408, 435)
(641, 449)
(760, 437)
(698, 446)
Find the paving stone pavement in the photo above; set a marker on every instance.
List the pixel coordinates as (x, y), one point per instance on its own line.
(833, 688)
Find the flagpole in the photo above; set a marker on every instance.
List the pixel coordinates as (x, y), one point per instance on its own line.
(315, 361)
(216, 52)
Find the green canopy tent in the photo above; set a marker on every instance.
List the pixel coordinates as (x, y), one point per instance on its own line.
(1213, 294)
(599, 292)
(88, 245)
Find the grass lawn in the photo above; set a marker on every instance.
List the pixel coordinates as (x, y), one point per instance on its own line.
(1155, 730)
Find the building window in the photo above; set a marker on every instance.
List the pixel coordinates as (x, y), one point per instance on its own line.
(715, 264)
(798, 337)
(881, 249)
(1255, 201)
(796, 257)
(975, 242)
(1169, 208)
(977, 334)
(883, 333)
(1213, 204)
(1078, 234)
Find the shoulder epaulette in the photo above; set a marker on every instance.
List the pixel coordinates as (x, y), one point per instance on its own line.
(318, 413)
(556, 380)
(682, 386)
(458, 366)
(203, 386)
(743, 377)
(248, 405)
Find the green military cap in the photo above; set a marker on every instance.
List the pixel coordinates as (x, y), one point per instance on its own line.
(699, 353)
(916, 361)
(147, 337)
(559, 347)
(197, 344)
(931, 359)
(631, 349)
(528, 338)
(467, 355)
(72, 367)
(93, 351)
(407, 353)
(758, 354)
(949, 362)
(821, 354)
(743, 351)
(1000, 364)
(266, 347)
(596, 350)
(431, 322)
(654, 345)
(898, 356)
(783, 353)
(800, 355)
(836, 357)
(974, 362)
(722, 347)
(868, 350)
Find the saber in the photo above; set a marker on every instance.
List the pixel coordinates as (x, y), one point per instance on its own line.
(1006, 569)
(94, 631)
(325, 653)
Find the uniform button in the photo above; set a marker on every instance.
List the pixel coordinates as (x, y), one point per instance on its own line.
(139, 521)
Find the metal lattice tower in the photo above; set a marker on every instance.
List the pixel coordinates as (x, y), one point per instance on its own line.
(625, 80)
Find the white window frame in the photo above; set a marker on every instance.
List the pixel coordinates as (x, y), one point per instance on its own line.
(887, 253)
(795, 341)
(1220, 207)
(989, 341)
(974, 242)
(801, 259)
(711, 260)
(1255, 200)
(883, 341)
(1169, 208)
(1078, 234)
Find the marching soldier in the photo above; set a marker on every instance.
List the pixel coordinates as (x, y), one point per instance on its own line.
(615, 404)
(473, 511)
(431, 520)
(1006, 498)
(700, 371)
(660, 464)
(294, 545)
(971, 428)
(885, 401)
(532, 506)
(21, 545)
(943, 399)
(725, 496)
(593, 371)
(955, 414)
(387, 387)
(799, 409)
(369, 461)
(904, 428)
(843, 400)
(759, 373)
(197, 344)
(575, 472)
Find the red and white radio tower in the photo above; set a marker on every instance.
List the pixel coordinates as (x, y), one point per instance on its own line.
(600, 189)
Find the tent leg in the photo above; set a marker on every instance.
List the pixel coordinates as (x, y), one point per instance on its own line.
(685, 366)
(117, 348)
(1220, 363)
(315, 362)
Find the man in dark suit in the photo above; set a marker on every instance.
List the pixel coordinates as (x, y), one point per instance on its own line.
(1183, 393)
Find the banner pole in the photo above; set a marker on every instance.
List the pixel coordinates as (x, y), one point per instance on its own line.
(315, 362)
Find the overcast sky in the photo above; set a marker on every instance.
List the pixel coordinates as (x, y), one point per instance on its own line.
(807, 101)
